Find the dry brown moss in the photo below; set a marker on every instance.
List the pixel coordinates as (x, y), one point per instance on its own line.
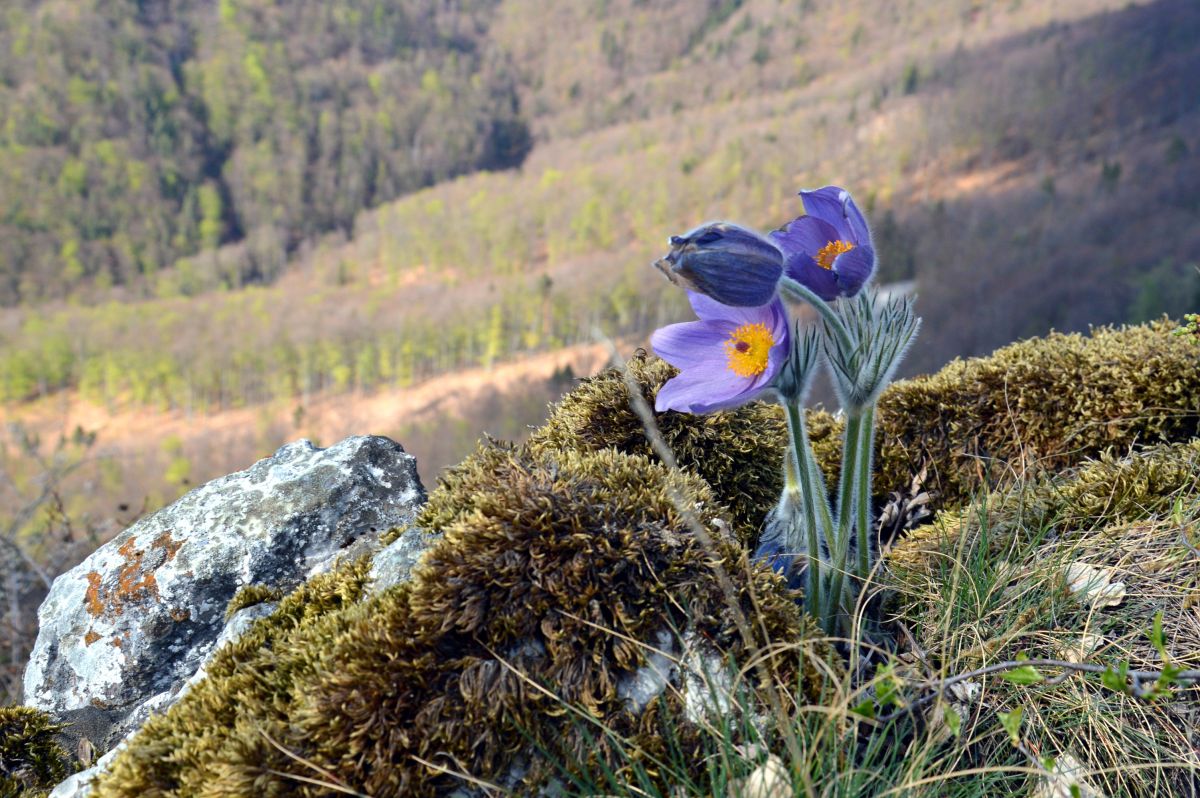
(31, 760)
(738, 452)
(553, 568)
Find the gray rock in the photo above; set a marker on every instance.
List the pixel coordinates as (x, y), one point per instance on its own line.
(697, 673)
(648, 682)
(120, 634)
(80, 784)
(394, 563)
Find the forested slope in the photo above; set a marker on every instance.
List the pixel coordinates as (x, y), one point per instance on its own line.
(134, 133)
(1030, 166)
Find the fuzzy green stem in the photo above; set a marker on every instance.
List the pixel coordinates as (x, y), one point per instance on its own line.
(862, 498)
(791, 472)
(803, 293)
(845, 513)
(819, 489)
(800, 459)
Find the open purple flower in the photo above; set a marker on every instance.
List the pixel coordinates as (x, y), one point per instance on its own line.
(729, 263)
(830, 249)
(727, 358)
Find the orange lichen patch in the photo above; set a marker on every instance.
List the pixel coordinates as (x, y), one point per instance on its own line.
(135, 581)
(90, 637)
(95, 605)
(169, 546)
(116, 642)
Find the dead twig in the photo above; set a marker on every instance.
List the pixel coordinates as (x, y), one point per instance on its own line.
(938, 689)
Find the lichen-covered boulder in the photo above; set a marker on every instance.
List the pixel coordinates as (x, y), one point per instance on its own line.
(121, 633)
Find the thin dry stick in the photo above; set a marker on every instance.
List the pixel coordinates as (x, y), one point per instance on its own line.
(316, 783)
(487, 785)
(646, 415)
(1191, 546)
(939, 688)
(983, 771)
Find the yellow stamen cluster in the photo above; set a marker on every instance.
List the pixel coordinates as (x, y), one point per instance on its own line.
(748, 349)
(828, 253)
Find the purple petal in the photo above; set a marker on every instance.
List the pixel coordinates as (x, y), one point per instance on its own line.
(689, 344)
(853, 269)
(706, 382)
(779, 324)
(823, 282)
(702, 391)
(834, 205)
(775, 360)
(804, 236)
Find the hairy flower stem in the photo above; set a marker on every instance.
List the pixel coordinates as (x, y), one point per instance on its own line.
(801, 460)
(862, 499)
(851, 449)
(803, 293)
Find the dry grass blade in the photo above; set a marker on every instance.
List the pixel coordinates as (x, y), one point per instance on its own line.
(332, 782)
(316, 783)
(486, 785)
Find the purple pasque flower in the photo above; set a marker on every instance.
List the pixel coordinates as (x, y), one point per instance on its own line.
(727, 358)
(733, 265)
(829, 250)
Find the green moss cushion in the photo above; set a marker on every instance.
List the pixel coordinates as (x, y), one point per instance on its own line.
(31, 760)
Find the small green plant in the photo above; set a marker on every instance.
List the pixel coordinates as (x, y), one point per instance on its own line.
(1191, 326)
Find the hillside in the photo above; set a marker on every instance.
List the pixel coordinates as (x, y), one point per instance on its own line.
(1030, 165)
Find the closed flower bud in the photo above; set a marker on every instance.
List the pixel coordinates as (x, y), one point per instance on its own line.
(783, 543)
(733, 265)
(881, 332)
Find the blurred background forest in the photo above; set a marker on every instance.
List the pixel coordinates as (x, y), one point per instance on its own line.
(225, 224)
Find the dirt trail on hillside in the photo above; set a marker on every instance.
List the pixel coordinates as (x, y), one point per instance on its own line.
(328, 418)
(437, 420)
